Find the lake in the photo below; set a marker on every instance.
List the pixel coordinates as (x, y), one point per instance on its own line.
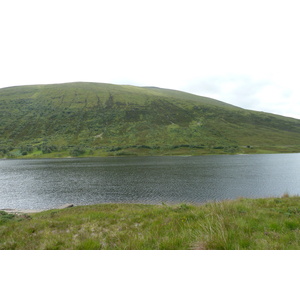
(49, 183)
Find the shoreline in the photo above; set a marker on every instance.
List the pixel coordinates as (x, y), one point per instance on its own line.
(33, 211)
(147, 155)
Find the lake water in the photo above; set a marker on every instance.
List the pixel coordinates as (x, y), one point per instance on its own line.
(49, 183)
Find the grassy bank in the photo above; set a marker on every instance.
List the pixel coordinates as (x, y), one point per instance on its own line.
(159, 151)
(271, 223)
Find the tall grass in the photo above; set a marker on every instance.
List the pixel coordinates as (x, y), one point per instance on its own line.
(272, 223)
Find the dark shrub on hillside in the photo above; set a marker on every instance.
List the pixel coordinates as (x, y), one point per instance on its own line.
(77, 151)
(48, 149)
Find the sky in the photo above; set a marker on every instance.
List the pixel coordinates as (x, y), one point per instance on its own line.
(243, 52)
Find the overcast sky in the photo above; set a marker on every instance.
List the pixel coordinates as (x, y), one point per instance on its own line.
(241, 52)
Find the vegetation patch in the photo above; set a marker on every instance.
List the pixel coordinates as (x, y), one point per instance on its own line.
(272, 223)
(4, 217)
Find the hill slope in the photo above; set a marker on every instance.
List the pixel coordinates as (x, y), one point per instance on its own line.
(105, 119)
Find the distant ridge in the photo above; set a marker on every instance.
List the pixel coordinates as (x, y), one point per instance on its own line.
(99, 119)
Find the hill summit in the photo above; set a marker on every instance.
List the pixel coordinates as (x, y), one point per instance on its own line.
(96, 119)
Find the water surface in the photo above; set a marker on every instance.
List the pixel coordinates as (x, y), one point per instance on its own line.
(49, 183)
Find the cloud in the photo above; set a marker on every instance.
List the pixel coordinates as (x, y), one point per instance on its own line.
(235, 89)
(249, 93)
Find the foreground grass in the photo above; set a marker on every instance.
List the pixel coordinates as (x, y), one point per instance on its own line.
(272, 223)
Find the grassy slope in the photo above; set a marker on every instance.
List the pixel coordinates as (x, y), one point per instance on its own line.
(240, 224)
(102, 119)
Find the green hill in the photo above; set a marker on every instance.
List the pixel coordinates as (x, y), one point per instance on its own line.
(86, 119)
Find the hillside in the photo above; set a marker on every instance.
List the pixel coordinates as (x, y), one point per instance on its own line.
(86, 119)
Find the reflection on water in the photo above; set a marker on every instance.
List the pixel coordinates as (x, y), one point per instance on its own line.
(48, 183)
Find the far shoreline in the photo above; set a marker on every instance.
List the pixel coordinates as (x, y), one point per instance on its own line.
(186, 154)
